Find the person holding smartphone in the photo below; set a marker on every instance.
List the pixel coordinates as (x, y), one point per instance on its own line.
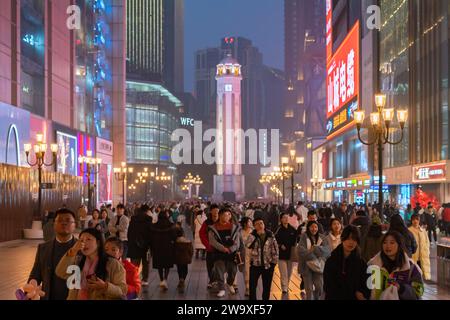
(102, 277)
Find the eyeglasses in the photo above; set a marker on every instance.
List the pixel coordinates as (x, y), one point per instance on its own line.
(64, 221)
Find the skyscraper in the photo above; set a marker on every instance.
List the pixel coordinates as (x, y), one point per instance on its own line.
(305, 65)
(155, 42)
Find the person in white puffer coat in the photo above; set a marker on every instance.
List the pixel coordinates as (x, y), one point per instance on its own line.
(198, 245)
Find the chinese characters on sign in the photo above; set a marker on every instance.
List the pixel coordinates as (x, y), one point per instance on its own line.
(435, 172)
(343, 82)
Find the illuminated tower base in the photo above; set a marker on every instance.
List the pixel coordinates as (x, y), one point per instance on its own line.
(229, 188)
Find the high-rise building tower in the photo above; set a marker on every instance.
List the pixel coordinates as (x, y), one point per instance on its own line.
(229, 181)
(155, 42)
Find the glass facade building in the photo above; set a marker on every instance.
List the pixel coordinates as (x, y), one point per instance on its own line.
(152, 114)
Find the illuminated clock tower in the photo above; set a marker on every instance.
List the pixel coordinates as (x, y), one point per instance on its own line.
(229, 178)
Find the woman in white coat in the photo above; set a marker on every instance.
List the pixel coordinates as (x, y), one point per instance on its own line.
(422, 254)
(198, 245)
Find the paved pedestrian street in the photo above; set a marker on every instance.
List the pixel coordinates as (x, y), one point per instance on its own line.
(20, 254)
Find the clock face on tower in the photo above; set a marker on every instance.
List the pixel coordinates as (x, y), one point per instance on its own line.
(228, 87)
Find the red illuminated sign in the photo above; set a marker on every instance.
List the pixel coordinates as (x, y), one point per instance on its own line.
(343, 83)
(343, 73)
(329, 13)
(433, 172)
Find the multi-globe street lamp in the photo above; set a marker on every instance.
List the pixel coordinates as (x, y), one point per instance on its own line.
(122, 174)
(381, 124)
(197, 182)
(189, 181)
(291, 165)
(39, 151)
(92, 165)
(163, 178)
(265, 181)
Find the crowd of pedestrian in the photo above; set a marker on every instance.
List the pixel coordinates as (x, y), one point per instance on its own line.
(330, 246)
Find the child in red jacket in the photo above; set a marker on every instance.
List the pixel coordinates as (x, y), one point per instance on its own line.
(114, 248)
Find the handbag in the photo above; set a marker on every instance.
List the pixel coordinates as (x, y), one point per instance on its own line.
(316, 265)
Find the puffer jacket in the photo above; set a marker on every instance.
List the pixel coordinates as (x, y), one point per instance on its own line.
(262, 254)
(409, 277)
(422, 253)
(304, 254)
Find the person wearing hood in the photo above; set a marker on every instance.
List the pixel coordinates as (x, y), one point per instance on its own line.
(372, 243)
(163, 246)
(422, 255)
(397, 269)
(344, 275)
(397, 224)
(313, 249)
(139, 237)
(263, 258)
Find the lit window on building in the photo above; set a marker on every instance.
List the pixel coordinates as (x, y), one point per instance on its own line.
(289, 113)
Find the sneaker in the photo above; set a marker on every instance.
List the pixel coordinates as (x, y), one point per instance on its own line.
(144, 283)
(221, 294)
(163, 285)
(232, 290)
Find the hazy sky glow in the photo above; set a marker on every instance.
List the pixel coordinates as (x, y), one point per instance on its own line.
(207, 21)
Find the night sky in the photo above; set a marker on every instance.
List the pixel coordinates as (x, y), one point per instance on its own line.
(207, 21)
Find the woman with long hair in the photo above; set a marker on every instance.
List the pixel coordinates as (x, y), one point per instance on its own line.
(395, 268)
(313, 250)
(397, 224)
(102, 277)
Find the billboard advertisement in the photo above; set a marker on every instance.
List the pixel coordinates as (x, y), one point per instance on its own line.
(343, 84)
(14, 132)
(67, 162)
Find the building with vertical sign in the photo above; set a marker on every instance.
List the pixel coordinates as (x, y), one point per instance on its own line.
(413, 72)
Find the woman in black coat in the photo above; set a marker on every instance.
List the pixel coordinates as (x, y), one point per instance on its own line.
(344, 275)
(139, 237)
(163, 246)
(397, 224)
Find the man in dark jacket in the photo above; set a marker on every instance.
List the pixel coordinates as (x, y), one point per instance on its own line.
(429, 219)
(139, 237)
(203, 233)
(50, 253)
(286, 237)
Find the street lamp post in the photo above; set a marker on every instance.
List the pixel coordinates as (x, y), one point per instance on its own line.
(189, 181)
(265, 181)
(197, 182)
(39, 150)
(91, 168)
(381, 133)
(163, 178)
(290, 166)
(121, 174)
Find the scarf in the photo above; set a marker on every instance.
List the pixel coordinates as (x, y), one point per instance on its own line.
(88, 269)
